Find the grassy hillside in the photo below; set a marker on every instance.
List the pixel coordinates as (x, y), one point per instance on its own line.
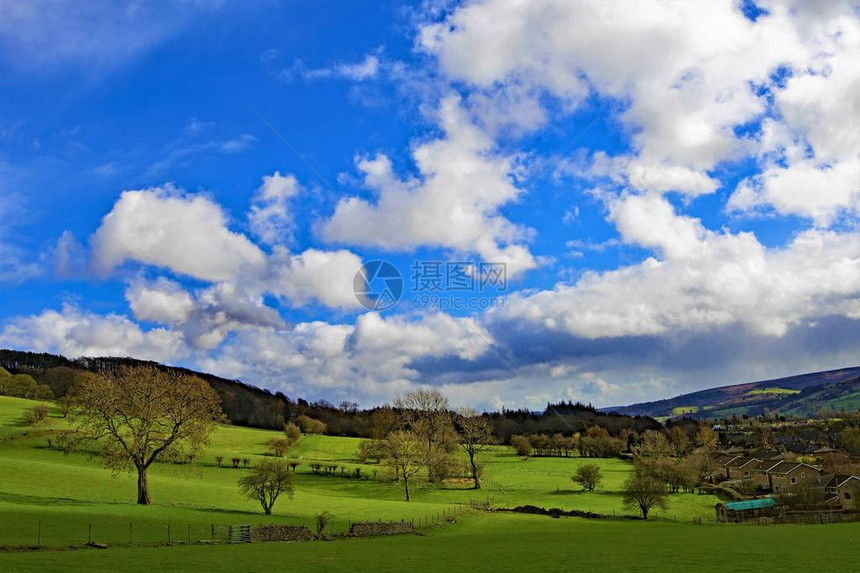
(802, 395)
(67, 494)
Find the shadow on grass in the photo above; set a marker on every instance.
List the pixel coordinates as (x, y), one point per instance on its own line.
(22, 499)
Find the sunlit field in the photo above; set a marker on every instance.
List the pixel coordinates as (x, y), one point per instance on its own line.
(56, 497)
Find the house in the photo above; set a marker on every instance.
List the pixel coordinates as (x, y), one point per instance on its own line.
(843, 491)
(741, 468)
(734, 511)
(784, 475)
(759, 472)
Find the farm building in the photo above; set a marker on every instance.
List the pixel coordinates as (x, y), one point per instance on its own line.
(734, 511)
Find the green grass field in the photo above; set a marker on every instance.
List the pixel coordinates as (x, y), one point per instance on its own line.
(63, 495)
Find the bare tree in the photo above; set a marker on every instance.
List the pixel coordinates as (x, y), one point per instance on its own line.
(679, 441)
(404, 455)
(707, 439)
(137, 414)
(645, 493)
(653, 444)
(476, 435)
(424, 412)
(588, 476)
(704, 465)
(267, 482)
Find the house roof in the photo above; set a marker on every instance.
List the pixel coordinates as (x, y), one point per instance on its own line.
(788, 467)
(749, 504)
(839, 481)
(741, 462)
(727, 459)
(766, 465)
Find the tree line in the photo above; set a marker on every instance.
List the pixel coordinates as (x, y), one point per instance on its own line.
(246, 405)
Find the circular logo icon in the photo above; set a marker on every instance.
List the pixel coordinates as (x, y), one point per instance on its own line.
(378, 285)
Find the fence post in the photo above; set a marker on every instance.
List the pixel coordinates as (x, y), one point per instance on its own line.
(131, 532)
(39, 534)
(90, 534)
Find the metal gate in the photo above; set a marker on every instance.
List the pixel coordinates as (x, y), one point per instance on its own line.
(240, 534)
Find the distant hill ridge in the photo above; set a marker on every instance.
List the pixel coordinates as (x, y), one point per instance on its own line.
(244, 404)
(800, 395)
(248, 405)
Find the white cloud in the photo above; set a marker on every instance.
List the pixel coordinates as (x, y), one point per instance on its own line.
(163, 301)
(270, 216)
(805, 188)
(74, 332)
(372, 360)
(685, 74)
(705, 280)
(324, 276)
(163, 227)
(813, 162)
(453, 204)
(367, 69)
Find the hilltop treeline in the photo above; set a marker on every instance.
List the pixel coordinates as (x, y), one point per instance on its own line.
(566, 418)
(247, 405)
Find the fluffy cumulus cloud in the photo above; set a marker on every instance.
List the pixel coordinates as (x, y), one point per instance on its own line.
(76, 332)
(812, 164)
(164, 227)
(686, 71)
(687, 75)
(453, 203)
(188, 235)
(373, 359)
(700, 280)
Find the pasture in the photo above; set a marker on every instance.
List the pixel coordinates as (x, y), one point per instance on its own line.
(57, 496)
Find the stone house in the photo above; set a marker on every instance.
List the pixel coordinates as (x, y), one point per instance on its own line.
(843, 491)
(787, 474)
(741, 468)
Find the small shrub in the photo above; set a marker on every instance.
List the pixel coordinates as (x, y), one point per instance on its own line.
(219, 460)
(292, 431)
(310, 425)
(37, 414)
(279, 447)
(588, 476)
(323, 519)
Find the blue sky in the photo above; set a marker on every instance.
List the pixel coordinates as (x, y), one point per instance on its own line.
(672, 187)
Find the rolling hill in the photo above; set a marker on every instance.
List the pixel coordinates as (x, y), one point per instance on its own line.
(801, 395)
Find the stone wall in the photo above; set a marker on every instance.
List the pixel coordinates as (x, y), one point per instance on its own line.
(380, 528)
(281, 533)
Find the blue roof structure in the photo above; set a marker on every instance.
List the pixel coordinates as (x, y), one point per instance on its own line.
(751, 504)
